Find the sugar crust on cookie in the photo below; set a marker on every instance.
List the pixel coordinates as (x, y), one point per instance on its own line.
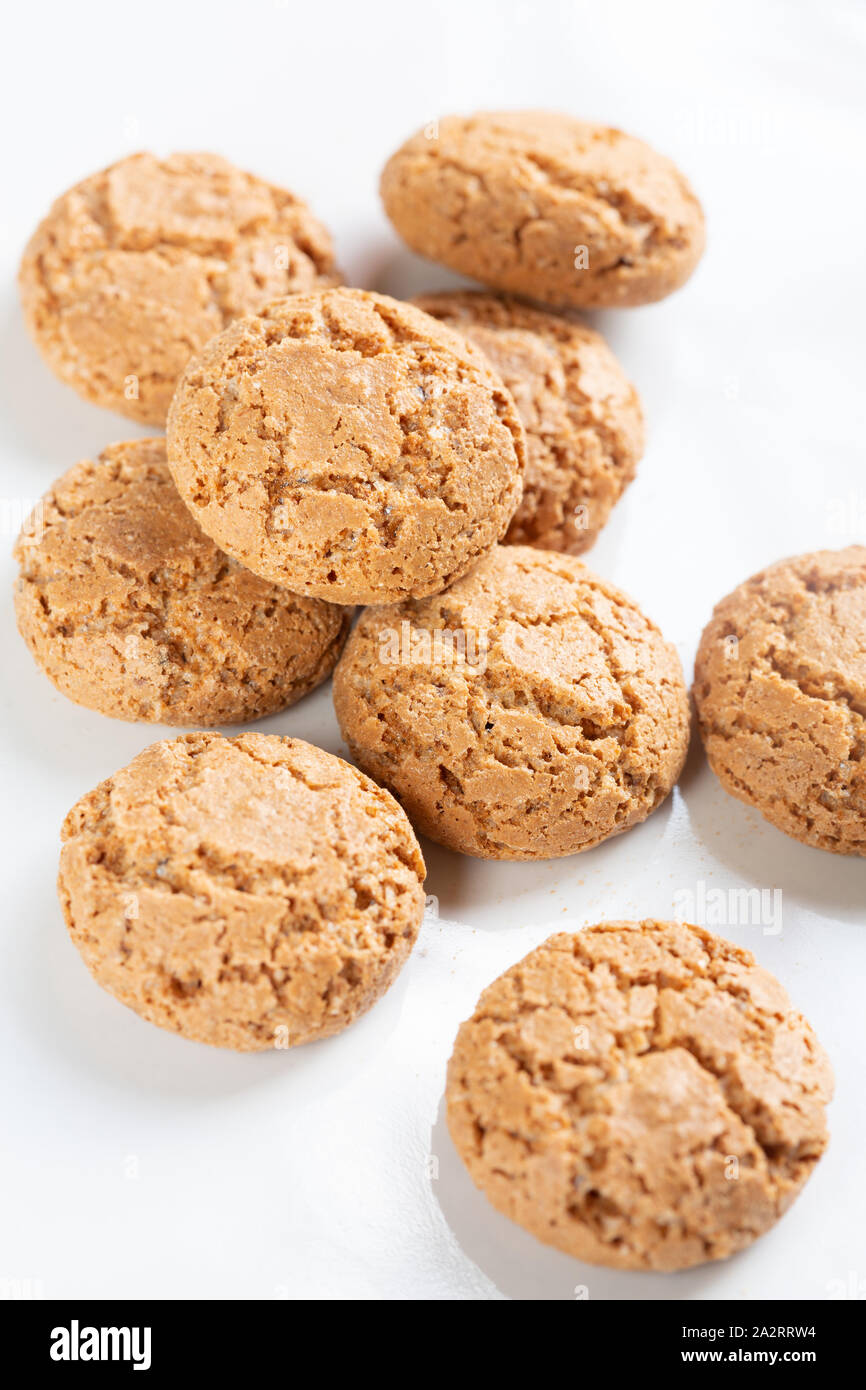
(131, 609)
(531, 711)
(560, 210)
(640, 1095)
(582, 417)
(780, 692)
(134, 268)
(249, 893)
(348, 446)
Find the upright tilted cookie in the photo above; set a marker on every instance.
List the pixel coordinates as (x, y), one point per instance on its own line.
(132, 610)
(529, 712)
(251, 893)
(135, 268)
(559, 210)
(348, 446)
(639, 1094)
(780, 690)
(583, 419)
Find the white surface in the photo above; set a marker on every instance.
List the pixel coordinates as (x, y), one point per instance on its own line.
(136, 1164)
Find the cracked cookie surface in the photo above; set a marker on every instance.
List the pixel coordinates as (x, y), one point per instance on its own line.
(131, 610)
(780, 692)
(640, 1095)
(250, 893)
(348, 446)
(582, 417)
(136, 267)
(560, 210)
(529, 712)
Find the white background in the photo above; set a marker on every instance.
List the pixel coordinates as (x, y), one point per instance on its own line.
(137, 1164)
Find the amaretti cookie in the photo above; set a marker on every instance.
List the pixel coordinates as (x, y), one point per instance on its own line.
(640, 1095)
(132, 610)
(136, 267)
(250, 893)
(529, 712)
(780, 691)
(348, 446)
(560, 210)
(582, 417)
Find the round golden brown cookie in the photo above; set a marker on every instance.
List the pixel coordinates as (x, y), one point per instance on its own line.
(251, 893)
(348, 446)
(135, 268)
(780, 691)
(640, 1095)
(557, 209)
(529, 712)
(582, 417)
(131, 610)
